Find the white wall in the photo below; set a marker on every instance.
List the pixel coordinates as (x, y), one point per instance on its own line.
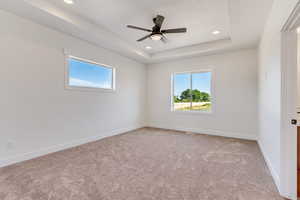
(37, 115)
(235, 110)
(270, 86)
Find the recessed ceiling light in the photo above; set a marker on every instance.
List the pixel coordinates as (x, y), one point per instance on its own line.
(148, 47)
(216, 32)
(69, 1)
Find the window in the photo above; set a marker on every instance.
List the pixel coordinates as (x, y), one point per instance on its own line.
(192, 91)
(89, 74)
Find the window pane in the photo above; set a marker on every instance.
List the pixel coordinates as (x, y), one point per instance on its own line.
(85, 74)
(182, 92)
(201, 91)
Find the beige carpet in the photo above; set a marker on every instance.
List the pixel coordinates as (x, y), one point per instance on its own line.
(147, 164)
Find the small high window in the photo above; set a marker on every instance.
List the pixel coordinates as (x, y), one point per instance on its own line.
(192, 91)
(84, 74)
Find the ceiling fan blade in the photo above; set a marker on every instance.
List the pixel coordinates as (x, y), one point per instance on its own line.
(164, 39)
(175, 30)
(159, 20)
(143, 38)
(139, 28)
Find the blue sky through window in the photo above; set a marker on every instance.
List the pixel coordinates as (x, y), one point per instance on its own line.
(181, 83)
(200, 81)
(84, 74)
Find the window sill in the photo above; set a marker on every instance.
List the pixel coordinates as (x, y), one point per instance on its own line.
(192, 112)
(89, 89)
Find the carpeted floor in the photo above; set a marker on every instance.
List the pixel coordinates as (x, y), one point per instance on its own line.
(146, 164)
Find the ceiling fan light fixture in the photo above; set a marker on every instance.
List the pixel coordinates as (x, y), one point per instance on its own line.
(216, 32)
(69, 2)
(148, 47)
(156, 37)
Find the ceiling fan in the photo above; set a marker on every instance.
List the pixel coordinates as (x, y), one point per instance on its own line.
(156, 33)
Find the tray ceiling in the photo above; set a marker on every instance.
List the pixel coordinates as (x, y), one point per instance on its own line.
(103, 23)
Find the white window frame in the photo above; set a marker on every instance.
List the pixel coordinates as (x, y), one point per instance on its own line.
(212, 90)
(83, 88)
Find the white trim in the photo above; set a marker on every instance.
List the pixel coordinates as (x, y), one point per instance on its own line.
(293, 21)
(229, 134)
(59, 147)
(83, 88)
(274, 173)
(212, 90)
(193, 112)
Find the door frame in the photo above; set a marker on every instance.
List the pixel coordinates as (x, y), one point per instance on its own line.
(288, 137)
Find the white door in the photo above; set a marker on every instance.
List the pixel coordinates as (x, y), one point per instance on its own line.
(288, 173)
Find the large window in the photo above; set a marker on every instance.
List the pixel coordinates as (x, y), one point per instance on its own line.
(89, 75)
(192, 91)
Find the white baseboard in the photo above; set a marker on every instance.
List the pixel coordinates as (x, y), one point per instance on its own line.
(59, 147)
(274, 173)
(209, 132)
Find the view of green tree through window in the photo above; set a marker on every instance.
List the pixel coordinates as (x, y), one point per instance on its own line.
(192, 91)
